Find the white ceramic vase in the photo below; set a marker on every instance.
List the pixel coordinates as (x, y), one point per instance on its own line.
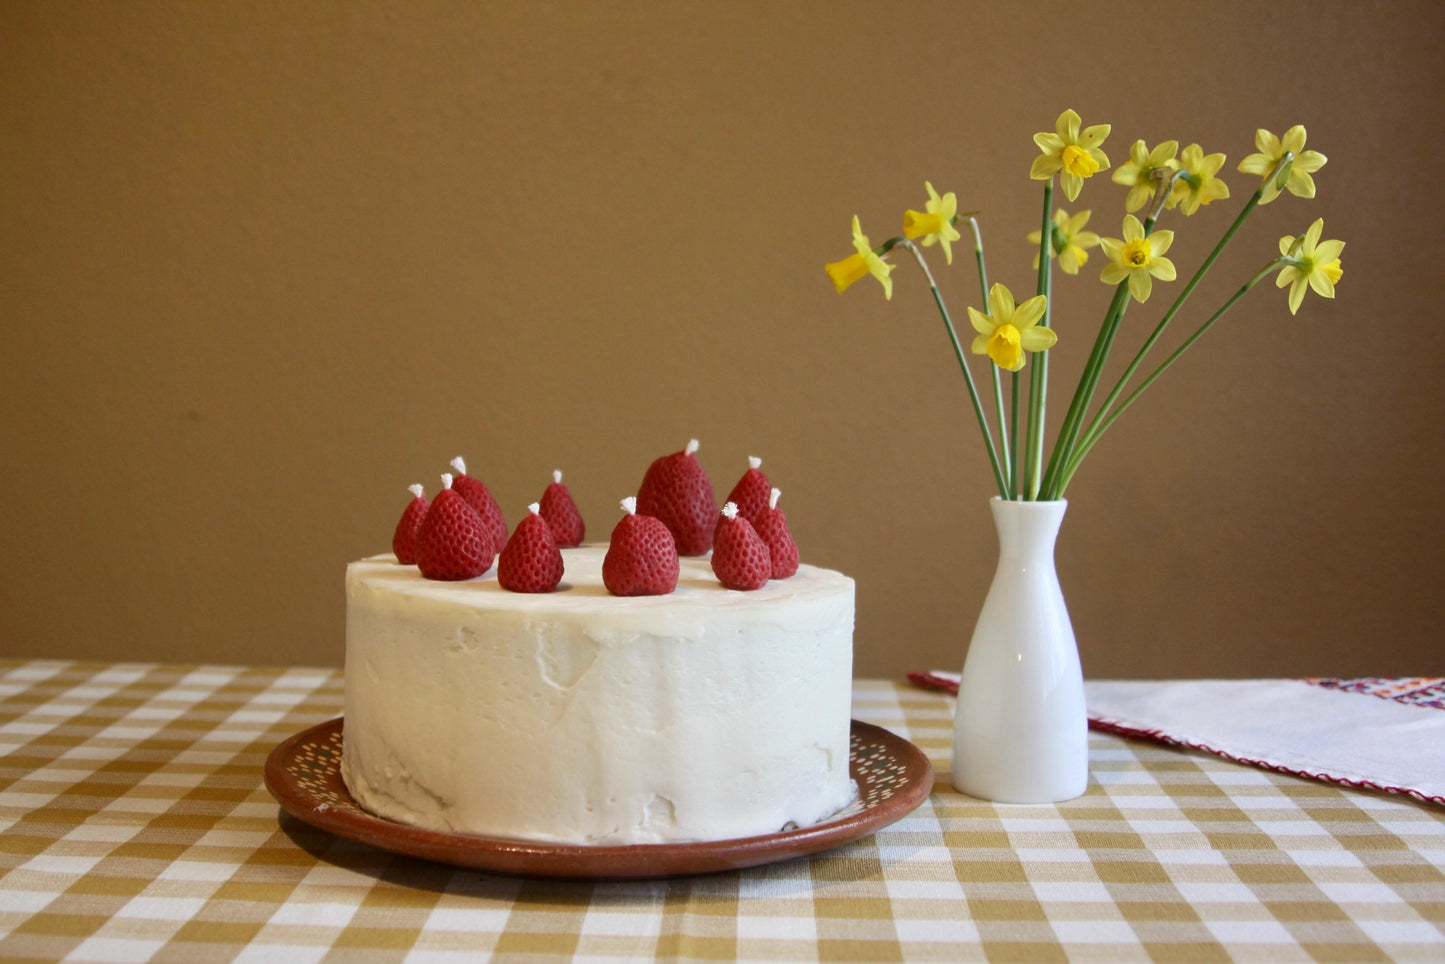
(1020, 733)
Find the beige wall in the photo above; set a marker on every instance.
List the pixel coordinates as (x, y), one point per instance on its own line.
(262, 265)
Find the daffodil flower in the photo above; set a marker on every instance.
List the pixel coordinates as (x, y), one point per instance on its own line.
(1138, 258)
(936, 224)
(860, 264)
(1070, 152)
(1309, 263)
(1138, 174)
(1009, 330)
(1069, 241)
(1272, 150)
(1197, 185)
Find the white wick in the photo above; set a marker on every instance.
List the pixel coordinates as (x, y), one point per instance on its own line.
(773, 498)
(754, 461)
(458, 464)
(730, 510)
(416, 490)
(692, 446)
(557, 476)
(535, 508)
(446, 480)
(629, 505)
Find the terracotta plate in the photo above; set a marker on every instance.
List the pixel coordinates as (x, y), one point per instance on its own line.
(304, 775)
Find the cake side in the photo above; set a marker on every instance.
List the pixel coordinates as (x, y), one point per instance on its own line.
(579, 717)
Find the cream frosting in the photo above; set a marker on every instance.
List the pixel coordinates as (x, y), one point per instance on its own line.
(585, 718)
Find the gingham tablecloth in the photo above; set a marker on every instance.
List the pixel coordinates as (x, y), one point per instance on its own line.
(134, 826)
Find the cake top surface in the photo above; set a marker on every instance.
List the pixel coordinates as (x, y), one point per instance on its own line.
(582, 589)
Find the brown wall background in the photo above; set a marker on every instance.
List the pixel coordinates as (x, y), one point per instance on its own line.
(262, 265)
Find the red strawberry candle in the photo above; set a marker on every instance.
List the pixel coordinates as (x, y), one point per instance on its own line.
(750, 494)
(740, 557)
(479, 497)
(561, 513)
(531, 561)
(641, 556)
(772, 526)
(453, 542)
(403, 540)
(676, 490)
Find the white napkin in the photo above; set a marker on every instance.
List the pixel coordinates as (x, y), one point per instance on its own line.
(1294, 726)
(1288, 725)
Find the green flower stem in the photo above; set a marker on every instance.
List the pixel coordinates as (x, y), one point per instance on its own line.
(1163, 187)
(1101, 425)
(1096, 425)
(1039, 376)
(1004, 441)
(963, 365)
(1103, 345)
(1067, 453)
(1084, 391)
(1013, 428)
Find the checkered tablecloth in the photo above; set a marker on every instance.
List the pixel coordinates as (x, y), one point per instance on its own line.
(134, 826)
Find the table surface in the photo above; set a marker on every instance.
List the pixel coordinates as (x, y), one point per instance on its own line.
(134, 825)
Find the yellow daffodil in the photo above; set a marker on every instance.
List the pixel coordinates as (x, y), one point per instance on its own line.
(936, 224)
(1009, 330)
(1069, 241)
(1197, 185)
(1310, 264)
(1139, 173)
(1271, 150)
(1138, 258)
(860, 264)
(1071, 153)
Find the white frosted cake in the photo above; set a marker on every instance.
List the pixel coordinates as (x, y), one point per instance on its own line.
(580, 717)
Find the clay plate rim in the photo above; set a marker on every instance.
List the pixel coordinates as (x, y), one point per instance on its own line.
(303, 773)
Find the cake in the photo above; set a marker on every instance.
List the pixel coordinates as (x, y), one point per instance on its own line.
(579, 717)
